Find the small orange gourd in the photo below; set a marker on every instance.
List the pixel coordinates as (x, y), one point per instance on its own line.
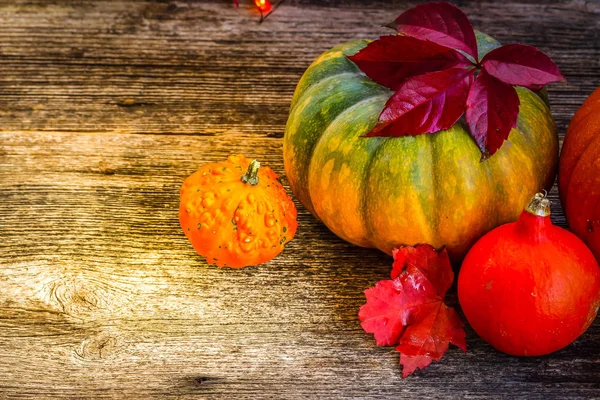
(236, 213)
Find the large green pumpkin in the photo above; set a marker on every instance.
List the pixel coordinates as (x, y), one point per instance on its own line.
(431, 188)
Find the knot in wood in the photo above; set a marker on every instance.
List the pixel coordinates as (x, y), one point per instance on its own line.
(78, 297)
(98, 347)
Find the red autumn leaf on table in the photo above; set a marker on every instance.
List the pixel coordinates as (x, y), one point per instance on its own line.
(433, 81)
(409, 311)
(425, 103)
(492, 111)
(427, 260)
(390, 304)
(521, 65)
(441, 23)
(429, 339)
(385, 313)
(391, 59)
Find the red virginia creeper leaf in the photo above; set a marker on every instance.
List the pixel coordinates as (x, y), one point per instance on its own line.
(426, 103)
(521, 65)
(391, 59)
(441, 23)
(435, 265)
(408, 311)
(492, 111)
(434, 82)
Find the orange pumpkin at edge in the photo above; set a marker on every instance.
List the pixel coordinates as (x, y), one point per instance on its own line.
(236, 213)
(579, 173)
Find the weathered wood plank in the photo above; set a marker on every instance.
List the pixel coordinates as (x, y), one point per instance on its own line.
(176, 67)
(105, 107)
(97, 275)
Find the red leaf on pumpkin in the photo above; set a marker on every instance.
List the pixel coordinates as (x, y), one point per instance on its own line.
(492, 111)
(392, 59)
(426, 103)
(521, 65)
(433, 80)
(441, 23)
(409, 310)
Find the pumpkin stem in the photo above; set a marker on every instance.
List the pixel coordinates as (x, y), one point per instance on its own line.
(539, 205)
(251, 176)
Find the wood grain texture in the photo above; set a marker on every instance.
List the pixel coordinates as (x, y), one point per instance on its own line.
(105, 107)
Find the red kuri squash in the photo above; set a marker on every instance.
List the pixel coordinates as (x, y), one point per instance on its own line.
(530, 288)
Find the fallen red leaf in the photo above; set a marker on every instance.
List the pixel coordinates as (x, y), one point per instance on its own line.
(492, 111)
(521, 65)
(427, 260)
(441, 23)
(427, 339)
(392, 59)
(391, 304)
(409, 310)
(426, 103)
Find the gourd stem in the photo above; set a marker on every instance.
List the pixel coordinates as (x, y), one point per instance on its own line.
(251, 176)
(539, 205)
(534, 221)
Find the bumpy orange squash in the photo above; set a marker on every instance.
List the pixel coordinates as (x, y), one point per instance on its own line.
(236, 214)
(384, 192)
(579, 173)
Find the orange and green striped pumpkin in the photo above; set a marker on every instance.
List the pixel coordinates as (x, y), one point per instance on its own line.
(432, 188)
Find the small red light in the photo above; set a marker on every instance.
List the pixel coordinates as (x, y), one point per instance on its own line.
(263, 5)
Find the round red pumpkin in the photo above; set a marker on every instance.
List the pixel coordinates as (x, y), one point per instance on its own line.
(530, 288)
(579, 173)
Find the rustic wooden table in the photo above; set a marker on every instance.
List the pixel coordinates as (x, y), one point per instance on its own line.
(106, 106)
